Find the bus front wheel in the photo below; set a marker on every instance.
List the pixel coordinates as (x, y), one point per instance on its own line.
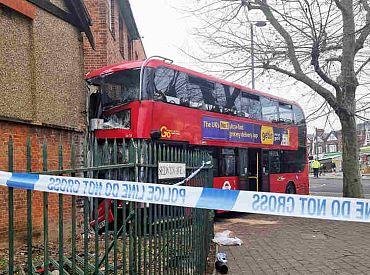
(290, 189)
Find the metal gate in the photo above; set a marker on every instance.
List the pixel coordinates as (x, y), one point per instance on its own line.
(127, 237)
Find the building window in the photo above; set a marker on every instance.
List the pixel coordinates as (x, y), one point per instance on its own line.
(111, 15)
(121, 37)
(332, 148)
(367, 138)
(319, 150)
(129, 47)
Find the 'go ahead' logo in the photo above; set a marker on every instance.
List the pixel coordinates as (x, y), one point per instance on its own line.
(166, 133)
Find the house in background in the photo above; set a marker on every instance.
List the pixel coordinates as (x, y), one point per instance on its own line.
(363, 133)
(328, 146)
(322, 143)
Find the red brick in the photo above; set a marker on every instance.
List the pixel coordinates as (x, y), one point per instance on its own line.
(37, 135)
(21, 6)
(107, 42)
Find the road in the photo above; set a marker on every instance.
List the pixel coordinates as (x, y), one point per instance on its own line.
(333, 186)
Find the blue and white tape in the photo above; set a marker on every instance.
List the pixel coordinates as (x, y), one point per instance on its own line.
(329, 208)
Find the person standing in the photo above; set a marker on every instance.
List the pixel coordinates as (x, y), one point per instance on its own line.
(333, 167)
(315, 166)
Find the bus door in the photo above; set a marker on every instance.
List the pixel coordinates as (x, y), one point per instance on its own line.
(265, 182)
(254, 169)
(242, 168)
(225, 176)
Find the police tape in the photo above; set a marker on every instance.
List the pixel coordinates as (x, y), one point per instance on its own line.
(328, 208)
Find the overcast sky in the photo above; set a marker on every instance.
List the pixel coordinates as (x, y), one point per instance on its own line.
(165, 30)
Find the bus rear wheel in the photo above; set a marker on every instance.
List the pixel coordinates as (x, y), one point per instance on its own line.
(290, 189)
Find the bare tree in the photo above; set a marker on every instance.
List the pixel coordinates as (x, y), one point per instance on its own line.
(319, 43)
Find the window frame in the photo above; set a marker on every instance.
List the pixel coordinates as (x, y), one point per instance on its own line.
(111, 16)
(275, 104)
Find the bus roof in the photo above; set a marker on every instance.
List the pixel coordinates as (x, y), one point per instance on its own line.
(153, 63)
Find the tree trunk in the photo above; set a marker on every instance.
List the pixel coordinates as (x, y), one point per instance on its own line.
(352, 186)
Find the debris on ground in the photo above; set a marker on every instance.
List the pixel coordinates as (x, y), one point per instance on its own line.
(226, 237)
(221, 263)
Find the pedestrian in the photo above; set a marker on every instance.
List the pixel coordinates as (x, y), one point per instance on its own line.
(321, 169)
(315, 166)
(333, 167)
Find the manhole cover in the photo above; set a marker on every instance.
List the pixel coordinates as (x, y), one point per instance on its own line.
(314, 236)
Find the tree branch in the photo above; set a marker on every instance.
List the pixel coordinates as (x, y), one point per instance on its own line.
(315, 62)
(334, 58)
(347, 78)
(362, 66)
(325, 93)
(288, 39)
(365, 31)
(340, 6)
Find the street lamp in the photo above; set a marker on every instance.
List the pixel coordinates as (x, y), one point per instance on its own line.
(257, 24)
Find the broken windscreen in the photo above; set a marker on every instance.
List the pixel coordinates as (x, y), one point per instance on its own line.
(118, 88)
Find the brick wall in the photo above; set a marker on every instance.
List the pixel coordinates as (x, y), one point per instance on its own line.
(20, 133)
(108, 42)
(96, 59)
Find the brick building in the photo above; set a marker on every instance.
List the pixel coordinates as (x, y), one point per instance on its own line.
(116, 34)
(43, 59)
(321, 143)
(42, 97)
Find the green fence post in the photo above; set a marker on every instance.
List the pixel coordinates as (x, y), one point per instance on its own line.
(132, 159)
(138, 211)
(74, 225)
(96, 162)
(155, 220)
(106, 237)
(46, 206)
(86, 235)
(11, 207)
(124, 266)
(60, 208)
(29, 210)
(115, 239)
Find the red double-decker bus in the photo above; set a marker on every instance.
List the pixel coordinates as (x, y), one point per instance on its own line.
(257, 141)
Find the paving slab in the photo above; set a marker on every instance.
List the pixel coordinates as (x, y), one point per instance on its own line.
(288, 245)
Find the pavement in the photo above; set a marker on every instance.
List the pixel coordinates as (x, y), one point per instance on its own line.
(339, 175)
(286, 245)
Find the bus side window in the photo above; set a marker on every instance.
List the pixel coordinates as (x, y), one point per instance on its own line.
(275, 162)
(269, 110)
(216, 164)
(194, 92)
(162, 80)
(227, 163)
(219, 96)
(248, 105)
(299, 120)
(293, 161)
(242, 162)
(170, 85)
(285, 113)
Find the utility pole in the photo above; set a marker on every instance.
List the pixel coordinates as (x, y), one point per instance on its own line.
(252, 55)
(316, 144)
(257, 24)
